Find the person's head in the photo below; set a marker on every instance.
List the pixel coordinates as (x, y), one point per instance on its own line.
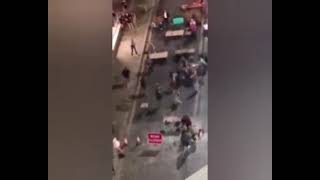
(185, 117)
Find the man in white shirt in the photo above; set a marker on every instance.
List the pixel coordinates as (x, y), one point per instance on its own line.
(116, 144)
(166, 16)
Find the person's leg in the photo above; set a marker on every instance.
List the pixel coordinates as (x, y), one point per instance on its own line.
(132, 25)
(132, 50)
(135, 49)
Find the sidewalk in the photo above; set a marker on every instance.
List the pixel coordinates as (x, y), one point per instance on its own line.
(124, 106)
(122, 59)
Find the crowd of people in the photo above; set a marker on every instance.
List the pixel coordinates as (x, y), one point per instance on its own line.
(124, 17)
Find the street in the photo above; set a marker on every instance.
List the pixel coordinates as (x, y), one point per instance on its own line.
(166, 161)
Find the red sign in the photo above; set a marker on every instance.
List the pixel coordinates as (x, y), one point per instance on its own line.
(155, 138)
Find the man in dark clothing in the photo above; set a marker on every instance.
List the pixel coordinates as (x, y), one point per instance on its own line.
(185, 120)
(114, 17)
(158, 92)
(143, 83)
(126, 75)
(131, 20)
(133, 48)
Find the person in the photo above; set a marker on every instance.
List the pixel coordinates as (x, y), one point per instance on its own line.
(193, 73)
(138, 141)
(161, 26)
(117, 147)
(149, 67)
(152, 46)
(186, 121)
(166, 16)
(133, 48)
(124, 4)
(114, 18)
(200, 133)
(153, 25)
(193, 26)
(121, 20)
(143, 85)
(124, 20)
(124, 144)
(188, 136)
(202, 61)
(130, 20)
(205, 29)
(176, 101)
(196, 87)
(126, 75)
(158, 92)
(174, 84)
(134, 19)
(127, 20)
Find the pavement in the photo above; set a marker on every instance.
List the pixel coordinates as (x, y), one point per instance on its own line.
(164, 161)
(121, 96)
(123, 58)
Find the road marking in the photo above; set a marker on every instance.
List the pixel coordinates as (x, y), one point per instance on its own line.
(202, 174)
